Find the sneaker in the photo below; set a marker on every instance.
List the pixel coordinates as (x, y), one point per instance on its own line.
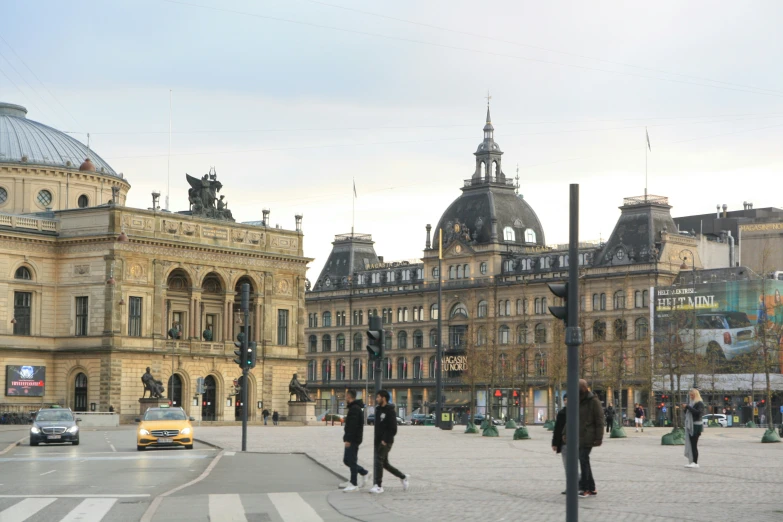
(363, 479)
(344, 485)
(593, 493)
(695, 465)
(692, 465)
(584, 494)
(405, 483)
(351, 488)
(376, 490)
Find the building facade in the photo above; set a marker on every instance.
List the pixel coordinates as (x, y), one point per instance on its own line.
(93, 292)
(493, 275)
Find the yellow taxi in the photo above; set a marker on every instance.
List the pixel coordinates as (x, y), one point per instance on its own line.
(164, 427)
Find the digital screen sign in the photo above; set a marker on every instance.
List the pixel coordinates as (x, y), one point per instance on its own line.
(25, 381)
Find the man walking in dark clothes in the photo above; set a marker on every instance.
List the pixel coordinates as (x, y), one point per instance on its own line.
(385, 430)
(354, 430)
(558, 435)
(591, 435)
(609, 414)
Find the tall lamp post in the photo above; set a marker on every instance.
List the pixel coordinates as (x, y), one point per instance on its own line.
(684, 266)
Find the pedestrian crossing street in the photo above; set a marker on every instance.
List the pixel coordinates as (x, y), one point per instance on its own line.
(275, 507)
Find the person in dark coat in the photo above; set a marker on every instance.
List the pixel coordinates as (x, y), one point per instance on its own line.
(609, 414)
(275, 417)
(354, 431)
(559, 433)
(265, 414)
(591, 435)
(385, 430)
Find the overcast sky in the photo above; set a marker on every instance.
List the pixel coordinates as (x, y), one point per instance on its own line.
(290, 100)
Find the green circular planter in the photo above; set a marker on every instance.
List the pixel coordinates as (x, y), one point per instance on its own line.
(549, 425)
(648, 424)
(491, 431)
(521, 433)
(770, 436)
(617, 433)
(676, 437)
(471, 428)
(751, 424)
(485, 424)
(511, 425)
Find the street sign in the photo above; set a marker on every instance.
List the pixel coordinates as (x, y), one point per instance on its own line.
(663, 409)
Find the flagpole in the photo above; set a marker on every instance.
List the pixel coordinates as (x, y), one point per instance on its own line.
(647, 137)
(353, 207)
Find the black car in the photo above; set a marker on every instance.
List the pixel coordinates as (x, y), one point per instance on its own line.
(54, 425)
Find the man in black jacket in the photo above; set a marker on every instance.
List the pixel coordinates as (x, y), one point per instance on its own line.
(558, 434)
(385, 430)
(354, 430)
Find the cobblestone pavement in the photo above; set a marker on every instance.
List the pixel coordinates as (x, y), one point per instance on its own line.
(454, 474)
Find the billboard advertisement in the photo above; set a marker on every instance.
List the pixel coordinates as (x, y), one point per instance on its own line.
(730, 317)
(25, 381)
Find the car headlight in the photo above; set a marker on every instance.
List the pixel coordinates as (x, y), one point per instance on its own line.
(142, 431)
(73, 429)
(185, 431)
(35, 430)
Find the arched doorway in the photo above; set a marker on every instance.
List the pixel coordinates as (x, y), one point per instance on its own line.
(251, 397)
(175, 390)
(80, 393)
(208, 400)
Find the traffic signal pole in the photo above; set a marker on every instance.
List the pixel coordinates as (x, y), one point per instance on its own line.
(573, 342)
(245, 356)
(439, 349)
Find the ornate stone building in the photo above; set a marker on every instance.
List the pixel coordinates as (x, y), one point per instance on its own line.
(496, 266)
(92, 292)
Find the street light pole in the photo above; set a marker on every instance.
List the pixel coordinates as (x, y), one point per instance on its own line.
(684, 266)
(439, 350)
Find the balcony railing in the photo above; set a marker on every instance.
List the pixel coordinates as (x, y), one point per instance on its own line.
(29, 222)
(493, 180)
(647, 199)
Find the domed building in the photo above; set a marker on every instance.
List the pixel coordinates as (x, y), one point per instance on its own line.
(95, 293)
(495, 328)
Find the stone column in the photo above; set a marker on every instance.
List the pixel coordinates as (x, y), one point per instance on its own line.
(630, 408)
(257, 321)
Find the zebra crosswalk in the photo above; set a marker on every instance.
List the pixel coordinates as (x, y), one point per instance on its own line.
(275, 507)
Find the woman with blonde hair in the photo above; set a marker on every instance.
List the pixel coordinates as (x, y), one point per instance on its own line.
(693, 427)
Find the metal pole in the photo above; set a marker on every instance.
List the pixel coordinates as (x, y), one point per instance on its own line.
(245, 341)
(693, 275)
(573, 342)
(439, 350)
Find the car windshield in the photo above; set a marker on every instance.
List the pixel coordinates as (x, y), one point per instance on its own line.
(53, 416)
(164, 415)
(737, 320)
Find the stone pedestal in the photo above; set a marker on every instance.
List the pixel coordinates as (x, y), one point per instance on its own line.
(303, 412)
(145, 404)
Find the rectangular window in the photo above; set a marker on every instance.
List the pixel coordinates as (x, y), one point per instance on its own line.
(282, 327)
(134, 316)
(81, 315)
(23, 302)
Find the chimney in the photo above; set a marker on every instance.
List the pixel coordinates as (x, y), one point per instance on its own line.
(428, 244)
(265, 213)
(725, 214)
(717, 211)
(731, 248)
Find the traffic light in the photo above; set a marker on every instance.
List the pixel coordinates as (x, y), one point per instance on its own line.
(239, 352)
(560, 290)
(375, 338)
(251, 355)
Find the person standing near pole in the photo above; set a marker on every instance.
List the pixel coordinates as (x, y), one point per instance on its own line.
(609, 417)
(265, 414)
(385, 430)
(591, 434)
(559, 435)
(354, 430)
(693, 427)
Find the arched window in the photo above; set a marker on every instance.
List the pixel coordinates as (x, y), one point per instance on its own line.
(399, 315)
(501, 309)
(537, 306)
(357, 370)
(417, 368)
(386, 367)
(83, 201)
(434, 312)
(637, 299)
(452, 272)
(312, 370)
(522, 334)
(599, 331)
(519, 307)
(504, 334)
(312, 344)
(415, 314)
(540, 333)
(326, 343)
(603, 301)
(406, 275)
(596, 302)
(421, 313)
(508, 307)
(405, 316)
(431, 368)
(80, 393)
(418, 339)
(435, 273)
(327, 320)
(482, 309)
(540, 364)
(357, 342)
(640, 361)
(402, 340)
(459, 310)
(459, 272)
(481, 336)
(390, 276)
(326, 370)
(645, 298)
(530, 236)
(641, 329)
(402, 368)
(508, 234)
(503, 366)
(23, 273)
(618, 301)
(620, 329)
(433, 338)
(387, 340)
(340, 342)
(466, 270)
(340, 370)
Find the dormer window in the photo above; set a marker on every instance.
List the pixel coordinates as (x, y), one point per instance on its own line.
(508, 234)
(530, 236)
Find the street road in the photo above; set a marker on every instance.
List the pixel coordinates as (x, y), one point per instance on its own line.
(105, 478)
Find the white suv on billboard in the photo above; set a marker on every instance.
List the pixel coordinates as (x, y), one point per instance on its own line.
(723, 335)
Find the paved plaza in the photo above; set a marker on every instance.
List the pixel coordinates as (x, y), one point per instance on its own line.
(454, 475)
